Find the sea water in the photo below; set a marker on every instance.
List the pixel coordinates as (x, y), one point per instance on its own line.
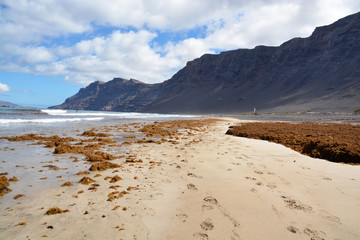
(24, 119)
(25, 160)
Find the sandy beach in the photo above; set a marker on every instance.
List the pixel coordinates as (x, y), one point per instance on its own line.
(207, 185)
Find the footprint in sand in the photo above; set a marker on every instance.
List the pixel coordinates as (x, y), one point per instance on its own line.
(315, 235)
(271, 186)
(211, 200)
(235, 163)
(192, 187)
(330, 217)
(207, 207)
(194, 175)
(293, 229)
(258, 172)
(182, 217)
(253, 190)
(201, 236)
(294, 204)
(207, 225)
(250, 178)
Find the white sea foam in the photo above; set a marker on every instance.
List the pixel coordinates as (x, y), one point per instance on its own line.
(47, 120)
(54, 112)
(123, 115)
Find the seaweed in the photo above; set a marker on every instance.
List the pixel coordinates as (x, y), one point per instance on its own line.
(98, 156)
(91, 133)
(332, 141)
(19, 196)
(52, 167)
(83, 173)
(55, 210)
(101, 166)
(67, 148)
(13, 179)
(4, 183)
(115, 179)
(86, 180)
(66, 184)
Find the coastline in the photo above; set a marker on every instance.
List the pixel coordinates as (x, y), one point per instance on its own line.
(207, 186)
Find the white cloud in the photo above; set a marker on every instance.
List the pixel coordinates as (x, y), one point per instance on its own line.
(29, 43)
(4, 87)
(128, 55)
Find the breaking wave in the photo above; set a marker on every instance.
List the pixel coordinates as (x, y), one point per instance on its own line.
(47, 120)
(56, 112)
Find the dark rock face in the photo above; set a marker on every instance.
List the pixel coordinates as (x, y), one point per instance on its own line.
(321, 72)
(117, 95)
(8, 104)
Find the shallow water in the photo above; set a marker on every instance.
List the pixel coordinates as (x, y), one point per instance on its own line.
(26, 160)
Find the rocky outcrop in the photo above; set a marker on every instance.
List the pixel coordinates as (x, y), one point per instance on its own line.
(320, 72)
(9, 104)
(117, 95)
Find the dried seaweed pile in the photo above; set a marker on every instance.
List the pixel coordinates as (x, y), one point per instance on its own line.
(88, 147)
(331, 141)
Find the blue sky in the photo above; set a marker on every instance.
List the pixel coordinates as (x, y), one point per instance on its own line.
(49, 49)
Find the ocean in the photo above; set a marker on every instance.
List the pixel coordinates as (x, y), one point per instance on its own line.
(19, 121)
(12, 118)
(27, 161)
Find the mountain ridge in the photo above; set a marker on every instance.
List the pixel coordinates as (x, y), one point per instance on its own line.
(9, 104)
(320, 72)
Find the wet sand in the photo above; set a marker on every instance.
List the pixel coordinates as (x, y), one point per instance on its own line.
(198, 184)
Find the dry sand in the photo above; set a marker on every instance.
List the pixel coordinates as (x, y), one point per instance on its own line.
(216, 187)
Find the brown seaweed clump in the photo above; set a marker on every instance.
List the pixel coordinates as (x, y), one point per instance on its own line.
(91, 133)
(116, 195)
(52, 167)
(86, 180)
(83, 173)
(173, 129)
(26, 137)
(4, 183)
(101, 166)
(47, 141)
(331, 141)
(55, 210)
(98, 156)
(67, 184)
(115, 179)
(67, 148)
(13, 179)
(19, 196)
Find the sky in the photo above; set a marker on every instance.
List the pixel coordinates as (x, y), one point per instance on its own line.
(49, 49)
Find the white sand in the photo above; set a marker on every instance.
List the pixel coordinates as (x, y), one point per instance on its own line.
(221, 187)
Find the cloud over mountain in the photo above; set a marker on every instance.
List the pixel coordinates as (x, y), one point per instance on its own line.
(145, 39)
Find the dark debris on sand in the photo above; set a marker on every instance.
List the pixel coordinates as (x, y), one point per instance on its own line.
(331, 141)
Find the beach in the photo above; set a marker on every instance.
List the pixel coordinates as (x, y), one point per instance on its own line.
(183, 180)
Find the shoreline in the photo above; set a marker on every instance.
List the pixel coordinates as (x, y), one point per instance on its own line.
(206, 186)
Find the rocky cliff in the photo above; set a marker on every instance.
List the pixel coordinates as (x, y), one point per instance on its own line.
(321, 72)
(117, 95)
(8, 104)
